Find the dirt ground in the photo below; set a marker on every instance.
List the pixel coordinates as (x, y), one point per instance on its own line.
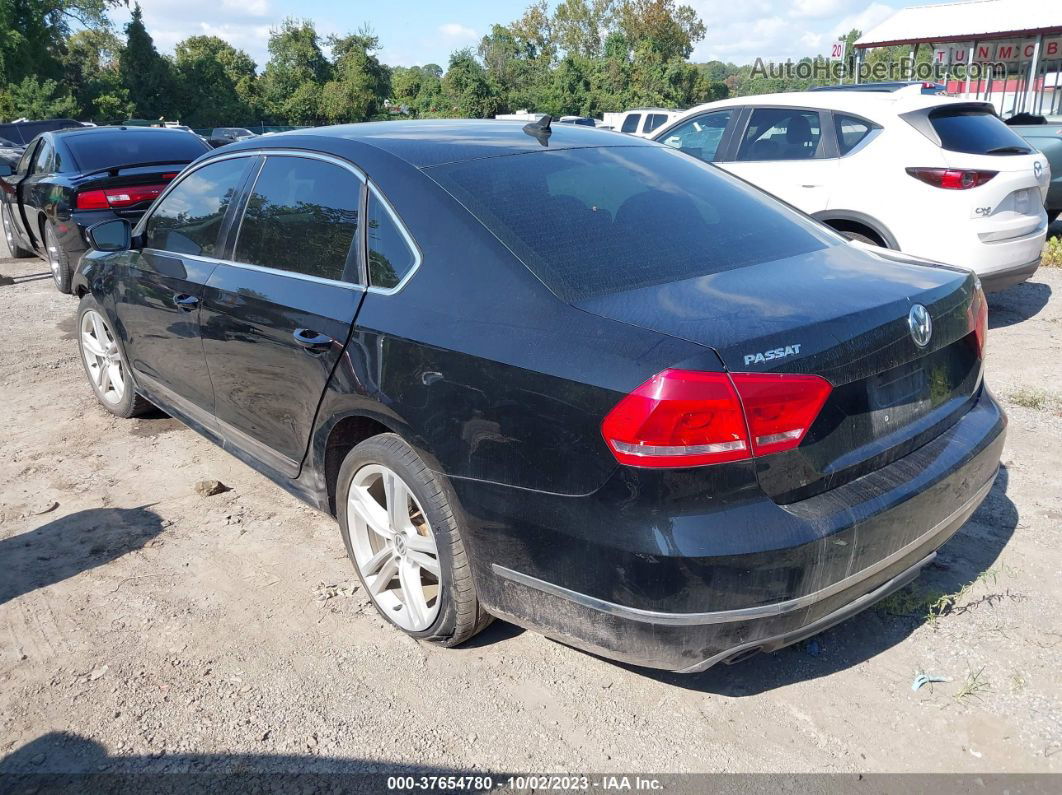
(145, 627)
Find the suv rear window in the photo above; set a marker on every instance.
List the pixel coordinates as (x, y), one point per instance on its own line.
(593, 221)
(976, 132)
(98, 150)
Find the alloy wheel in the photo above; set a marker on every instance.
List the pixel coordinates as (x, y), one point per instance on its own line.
(394, 547)
(102, 358)
(52, 246)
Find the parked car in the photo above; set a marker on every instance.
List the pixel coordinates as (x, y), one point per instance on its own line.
(925, 87)
(596, 388)
(932, 176)
(1045, 133)
(222, 136)
(68, 180)
(643, 121)
(10, 152)
(22, 132)
(586, 121)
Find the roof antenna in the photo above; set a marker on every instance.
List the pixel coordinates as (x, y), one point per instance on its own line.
(540, 129)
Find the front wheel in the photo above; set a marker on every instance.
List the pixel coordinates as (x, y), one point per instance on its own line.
(16, 251)
(402, 535)
(105, 363)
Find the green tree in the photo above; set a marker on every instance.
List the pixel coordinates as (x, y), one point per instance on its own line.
(36, 99)
(466, 89)
(146, 75)
(292, 80)
(580, 26)
(91, 69)
(360, 83)
(212, 79)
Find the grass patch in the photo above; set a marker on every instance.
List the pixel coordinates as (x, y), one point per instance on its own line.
(929, 605)
(1052, 256)
(1032, 397)
(974, 686)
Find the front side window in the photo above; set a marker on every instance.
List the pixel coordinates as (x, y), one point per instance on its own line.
(27, 158)
(302, 217)
(630, 123)
(782, 134)
(188, 220)
(701, 136)
(390, 255)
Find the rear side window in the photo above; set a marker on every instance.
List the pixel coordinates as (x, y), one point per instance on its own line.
(653, 120)
(976, 132)
(781, 134)
(630, 123)
(98, 150)
(701, 136)
(850, 131)
(302, 217)
(599, 220)
(189, 218)
(391, 256)
(44, 162)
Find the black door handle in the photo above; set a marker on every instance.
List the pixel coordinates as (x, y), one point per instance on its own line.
(312, 341)
(185, 301)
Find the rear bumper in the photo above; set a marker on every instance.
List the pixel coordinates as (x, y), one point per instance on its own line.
(815, 563)
(1002, 279)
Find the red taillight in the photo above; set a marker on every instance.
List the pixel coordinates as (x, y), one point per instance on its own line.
(92, 200)
(682, 418)
(951, 178)
(117, 197)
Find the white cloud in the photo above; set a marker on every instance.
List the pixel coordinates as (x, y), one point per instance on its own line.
(742, 32)
(457, 32)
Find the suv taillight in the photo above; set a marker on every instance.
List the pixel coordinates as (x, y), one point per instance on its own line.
(683, 418)
(951, 178)
(117, 197)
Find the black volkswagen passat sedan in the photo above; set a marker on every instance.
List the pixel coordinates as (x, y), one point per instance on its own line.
(576, 380)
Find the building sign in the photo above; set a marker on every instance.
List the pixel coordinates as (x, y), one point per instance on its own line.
(1002, 51)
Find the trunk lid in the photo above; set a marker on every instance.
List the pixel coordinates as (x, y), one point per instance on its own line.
(840, 313)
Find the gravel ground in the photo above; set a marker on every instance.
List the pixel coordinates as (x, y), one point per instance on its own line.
(145, 627)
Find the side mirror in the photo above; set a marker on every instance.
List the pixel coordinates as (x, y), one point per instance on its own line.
(113, 235)
(6, 170)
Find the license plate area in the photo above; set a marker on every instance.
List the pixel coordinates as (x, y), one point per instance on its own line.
(898, 396)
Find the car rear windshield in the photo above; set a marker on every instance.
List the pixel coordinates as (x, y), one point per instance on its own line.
(98, 150)
(976, 131)
(594, 221)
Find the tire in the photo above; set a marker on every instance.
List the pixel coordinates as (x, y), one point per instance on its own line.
(457, 614)
(13, 248)
(58, 259)
(125, 402)
(863, 238)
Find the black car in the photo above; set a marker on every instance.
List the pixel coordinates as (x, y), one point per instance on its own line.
(220, 136)
(68, 180)
(576, 380)
(10, 152)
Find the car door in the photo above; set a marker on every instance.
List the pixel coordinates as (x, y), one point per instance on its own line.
(703, 136)
(12, 195)
(786, 151)
(161, 287)
(277, 316)
(33, 189)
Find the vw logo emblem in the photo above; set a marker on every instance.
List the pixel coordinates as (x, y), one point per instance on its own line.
(1038, 169)
(920, 324)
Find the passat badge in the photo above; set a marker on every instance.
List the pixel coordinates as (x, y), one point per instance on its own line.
(774, 353)
(920, 324)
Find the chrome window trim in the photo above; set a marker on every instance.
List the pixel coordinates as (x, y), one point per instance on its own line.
(417, 257)
(261, 268)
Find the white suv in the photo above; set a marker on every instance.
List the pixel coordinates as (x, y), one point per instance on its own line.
(932, 176)
(643, 121)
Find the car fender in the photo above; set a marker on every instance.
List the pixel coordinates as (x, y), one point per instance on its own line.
(861, 218)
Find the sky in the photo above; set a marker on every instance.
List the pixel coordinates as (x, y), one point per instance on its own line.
(414, 32)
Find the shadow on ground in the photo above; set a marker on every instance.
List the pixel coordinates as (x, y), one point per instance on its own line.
(64, 762)
(1017, 304)
(970, 552)
(69, 545)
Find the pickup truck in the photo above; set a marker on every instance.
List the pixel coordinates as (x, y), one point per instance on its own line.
(1045, 133)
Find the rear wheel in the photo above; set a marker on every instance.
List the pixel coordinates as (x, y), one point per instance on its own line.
(105, 363)
(16, 251)
(402, 535)
(58, 259)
